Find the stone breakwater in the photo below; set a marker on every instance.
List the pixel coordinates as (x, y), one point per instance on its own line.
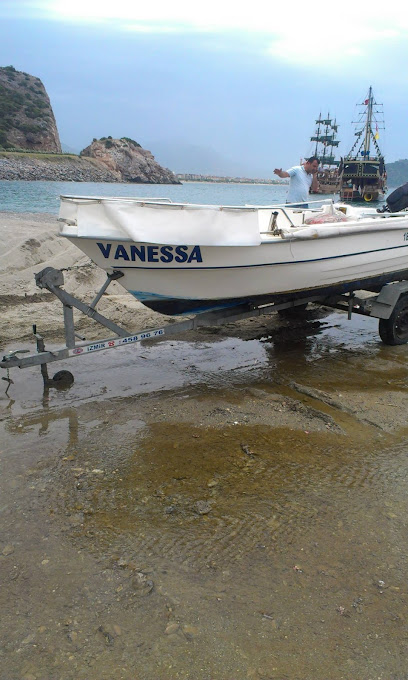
(59, 169)
(138, 167)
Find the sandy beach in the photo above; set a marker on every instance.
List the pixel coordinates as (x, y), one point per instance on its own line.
(30, 242)
(230, 505)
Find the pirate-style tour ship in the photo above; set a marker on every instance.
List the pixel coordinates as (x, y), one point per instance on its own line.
(326, 142)
(362, 172)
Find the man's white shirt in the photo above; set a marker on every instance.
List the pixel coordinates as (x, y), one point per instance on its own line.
(300, 183)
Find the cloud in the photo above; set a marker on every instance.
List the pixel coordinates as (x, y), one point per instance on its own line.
(219, 14)
(329, 48)
(296, 32)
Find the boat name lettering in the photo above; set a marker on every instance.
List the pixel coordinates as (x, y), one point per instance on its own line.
(164, 254)
(406, 236)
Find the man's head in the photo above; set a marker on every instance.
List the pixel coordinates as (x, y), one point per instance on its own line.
(311, 165)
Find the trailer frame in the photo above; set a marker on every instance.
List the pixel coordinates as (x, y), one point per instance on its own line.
(381, 305)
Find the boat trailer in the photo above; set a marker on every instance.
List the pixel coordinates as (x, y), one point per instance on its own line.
(390, 306)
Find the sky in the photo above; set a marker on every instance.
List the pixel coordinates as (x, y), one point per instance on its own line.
(214, 88)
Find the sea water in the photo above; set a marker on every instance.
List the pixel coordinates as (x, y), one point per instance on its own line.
(43, 197)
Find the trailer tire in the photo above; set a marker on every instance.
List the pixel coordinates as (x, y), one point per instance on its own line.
(394, 331)
(63, 379)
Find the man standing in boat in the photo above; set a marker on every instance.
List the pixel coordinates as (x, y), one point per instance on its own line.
(302, 179)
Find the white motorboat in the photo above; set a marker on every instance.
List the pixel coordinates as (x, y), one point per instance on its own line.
(183, 258)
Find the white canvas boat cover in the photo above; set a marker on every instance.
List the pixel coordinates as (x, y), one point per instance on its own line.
(150, 221)
(342, 229)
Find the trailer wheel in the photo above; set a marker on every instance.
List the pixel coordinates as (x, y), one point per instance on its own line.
(394, 331)
(63, 379)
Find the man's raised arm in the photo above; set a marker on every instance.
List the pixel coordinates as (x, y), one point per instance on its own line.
(281, 173)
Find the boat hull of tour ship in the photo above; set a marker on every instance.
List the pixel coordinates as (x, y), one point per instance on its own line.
(328, 181)
(363, 181)
(182, 258)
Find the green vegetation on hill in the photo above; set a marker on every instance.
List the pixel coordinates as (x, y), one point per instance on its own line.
(109, 141)
(25, 112)
(131, 141)
(42, 155)
(397, 173)
(13, 102)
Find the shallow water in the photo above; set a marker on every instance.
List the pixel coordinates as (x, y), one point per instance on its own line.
(324, 350)
(43, 197)
(226, 507)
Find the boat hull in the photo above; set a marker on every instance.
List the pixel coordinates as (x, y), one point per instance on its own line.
(177, 306)
(362, 180)
(181, 279)
(366, 194)
(327, 189)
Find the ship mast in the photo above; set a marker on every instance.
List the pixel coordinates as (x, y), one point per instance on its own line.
(317, 134)
(325, 140)
(367, 135)
(326, 132)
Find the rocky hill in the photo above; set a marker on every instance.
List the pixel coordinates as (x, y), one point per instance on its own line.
(128, 161)
(26, 118)
(30, 148)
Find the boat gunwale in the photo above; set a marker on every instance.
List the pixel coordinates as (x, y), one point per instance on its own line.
(366, 225)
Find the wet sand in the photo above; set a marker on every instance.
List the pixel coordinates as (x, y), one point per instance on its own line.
(228, 505)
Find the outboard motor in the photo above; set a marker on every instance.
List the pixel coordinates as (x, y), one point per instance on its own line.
(396, 201)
